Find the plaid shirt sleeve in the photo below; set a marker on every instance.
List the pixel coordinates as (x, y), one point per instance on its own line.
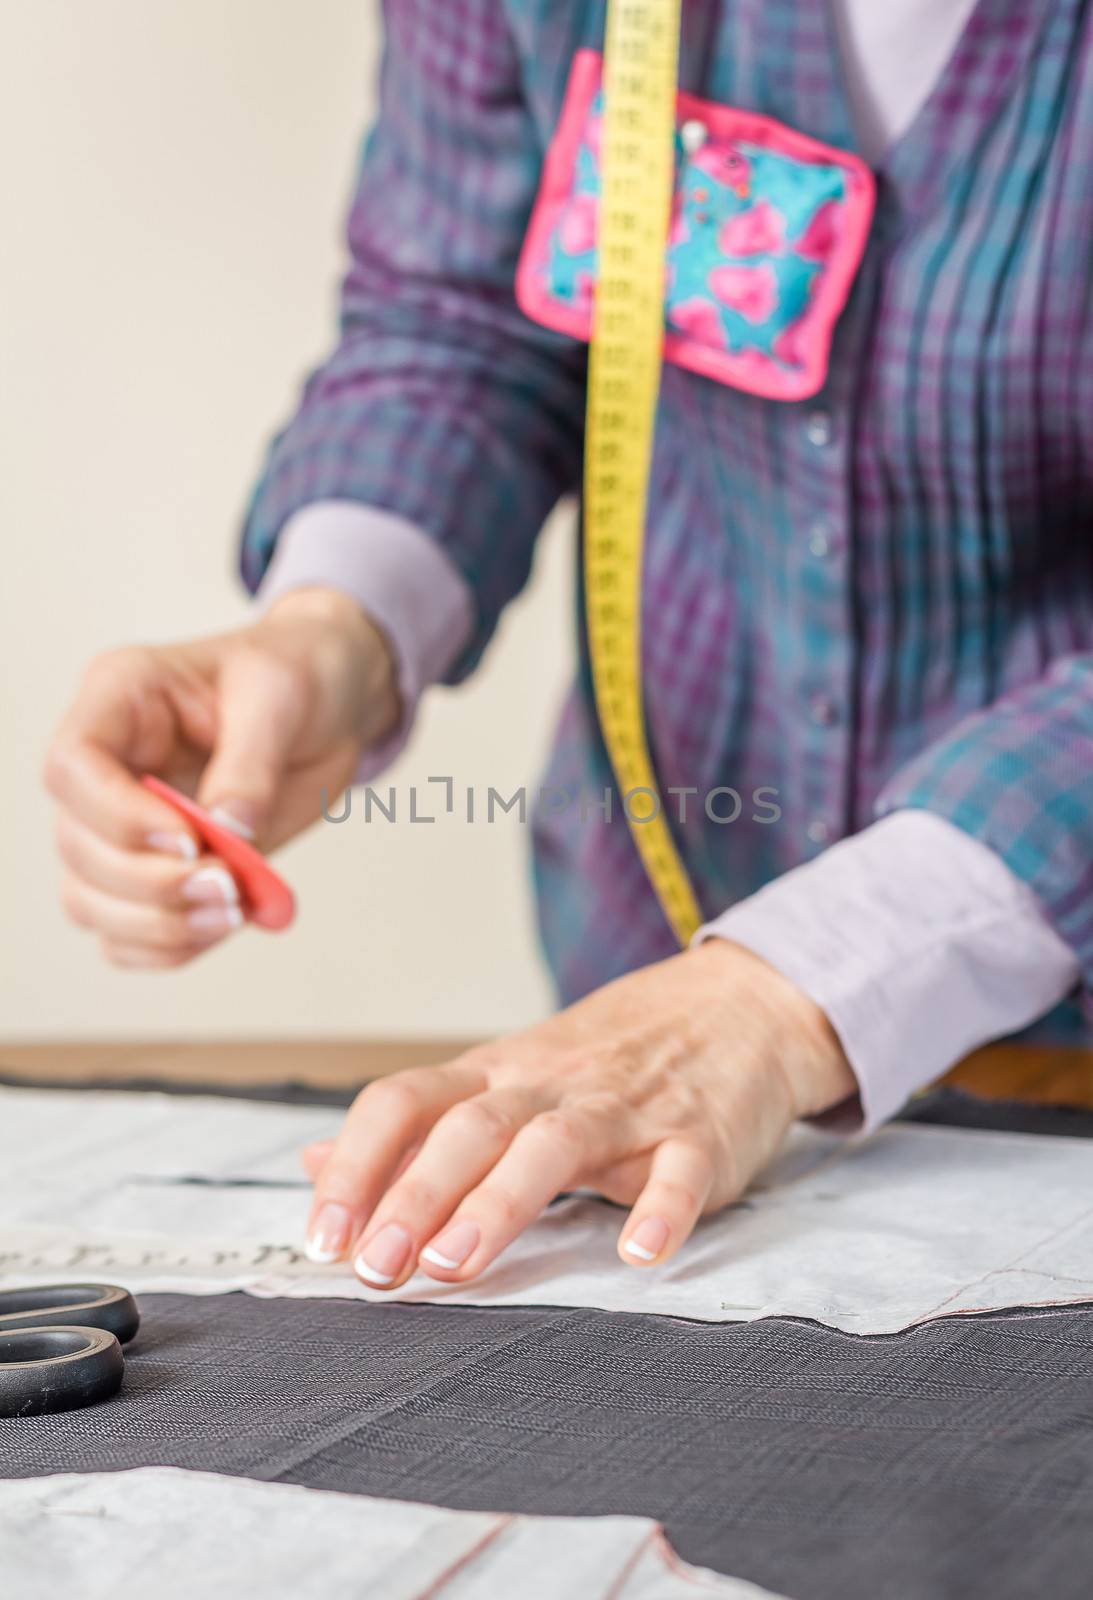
(441, 403)
(1019, 777)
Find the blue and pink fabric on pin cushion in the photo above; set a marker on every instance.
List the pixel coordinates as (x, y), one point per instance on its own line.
(768, 229)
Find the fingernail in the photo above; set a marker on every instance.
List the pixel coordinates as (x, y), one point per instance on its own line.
(328, 1239)
(648, 1239)
(214, 884)
(454, 1245)
(230, 816)
(384, 1256)
(214, 920)
(173, 844)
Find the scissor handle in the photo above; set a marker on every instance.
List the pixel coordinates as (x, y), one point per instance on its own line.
(57, 1369)
(87, 1305)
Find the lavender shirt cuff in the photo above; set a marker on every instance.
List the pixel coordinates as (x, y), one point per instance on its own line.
(918, 943)
(398, 577)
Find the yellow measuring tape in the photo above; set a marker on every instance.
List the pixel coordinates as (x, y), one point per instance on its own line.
(641, 64)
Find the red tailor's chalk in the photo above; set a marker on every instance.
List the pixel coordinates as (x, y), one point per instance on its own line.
(267, 899)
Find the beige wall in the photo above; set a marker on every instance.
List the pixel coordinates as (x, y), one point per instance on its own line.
(174, 176)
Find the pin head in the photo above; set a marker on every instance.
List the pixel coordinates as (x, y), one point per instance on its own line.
(693, 135)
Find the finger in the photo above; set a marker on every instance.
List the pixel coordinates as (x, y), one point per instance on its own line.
(144, 876)
(550, 1154)
(119, 725)
(263, 705)
(461, 1149)
(386, 1120)
(95, 786)
(624, 1180)
(314, 1157)
(126, 922)
(680, 1176)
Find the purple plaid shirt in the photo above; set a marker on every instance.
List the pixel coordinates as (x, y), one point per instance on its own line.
(877, 601)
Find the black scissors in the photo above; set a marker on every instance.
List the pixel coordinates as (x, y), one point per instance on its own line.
(60, 1346)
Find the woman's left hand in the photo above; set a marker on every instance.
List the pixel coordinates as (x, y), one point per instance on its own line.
(665, 1091)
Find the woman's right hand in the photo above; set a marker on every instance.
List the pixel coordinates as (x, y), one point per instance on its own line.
(259, 725)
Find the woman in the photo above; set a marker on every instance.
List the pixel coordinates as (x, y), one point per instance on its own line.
(875, 604)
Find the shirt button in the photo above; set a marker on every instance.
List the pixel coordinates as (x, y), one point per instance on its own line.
(823, 712)
(819, 429)
(818, 831)
(693, 136)
(821, 541)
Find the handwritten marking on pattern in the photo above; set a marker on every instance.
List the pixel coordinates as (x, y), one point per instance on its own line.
(69, 1254)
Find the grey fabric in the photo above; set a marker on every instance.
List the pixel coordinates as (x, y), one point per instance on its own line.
(952, 1108)
(952, 1460)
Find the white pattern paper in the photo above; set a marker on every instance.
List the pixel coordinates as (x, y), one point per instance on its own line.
(192, 1534)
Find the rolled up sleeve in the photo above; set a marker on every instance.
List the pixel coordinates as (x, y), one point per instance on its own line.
(917, 942)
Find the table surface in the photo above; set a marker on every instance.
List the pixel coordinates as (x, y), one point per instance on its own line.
(1057, 1076)
(326, 1063)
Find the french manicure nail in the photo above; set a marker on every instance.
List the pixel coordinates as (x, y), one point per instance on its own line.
(173, 844)
(229, 819)
(214, 920)
(214, 884)
(454, 1246)
(384, 1256)
(648, 1239)
(328, 1239)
